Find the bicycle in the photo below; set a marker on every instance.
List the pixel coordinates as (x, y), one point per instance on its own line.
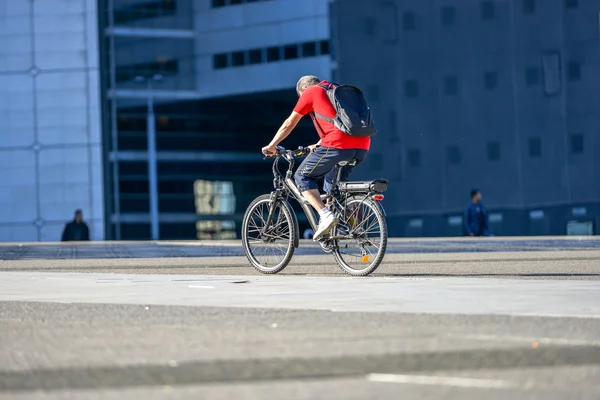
(270, 232)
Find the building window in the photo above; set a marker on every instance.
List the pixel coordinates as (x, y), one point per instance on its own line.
(414, 158)
(255, 56)
(273, 54)
(577, 143)
(571, 3)
(220, 61)
(389, 22)
(408, 21)
(532, 76)
(237, 59)
(134, 203)
(487, 10)
(493, 151)
(309, 49)
(552, 73)
(448, 15)
(411, 89)
(132, 140)
(164, 66)
(451, 85)
(574, 71)
(133, 231)
(290, 52)
(528, 7)
(136, 231)
(177, 231)
(490, 80)
(370, 26)
(133, 185)
(324, 47)
(453, 155)
(140, 11)
(535, 147)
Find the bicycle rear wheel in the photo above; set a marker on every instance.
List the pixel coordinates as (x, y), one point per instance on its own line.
(365, 228)
(269, 249)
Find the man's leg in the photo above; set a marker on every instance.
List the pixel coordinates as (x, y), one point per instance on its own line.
(359, 155)
(314, 198)
(314, 167)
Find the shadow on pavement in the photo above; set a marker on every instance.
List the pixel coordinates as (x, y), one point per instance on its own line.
(298, 368)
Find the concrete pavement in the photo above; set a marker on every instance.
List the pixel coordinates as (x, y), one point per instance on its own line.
(441, 319)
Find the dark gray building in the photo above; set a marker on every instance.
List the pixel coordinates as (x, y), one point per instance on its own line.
(503, 96)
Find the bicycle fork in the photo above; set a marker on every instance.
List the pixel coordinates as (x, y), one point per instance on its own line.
(272, 205)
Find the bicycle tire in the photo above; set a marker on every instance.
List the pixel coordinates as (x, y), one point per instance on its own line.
(339, 255)
(265, 200)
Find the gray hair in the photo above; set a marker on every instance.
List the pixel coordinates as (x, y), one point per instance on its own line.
(306, 81)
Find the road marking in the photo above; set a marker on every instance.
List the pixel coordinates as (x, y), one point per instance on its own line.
(578, 316)
(439, 381)
(201, 287)
(542, 340)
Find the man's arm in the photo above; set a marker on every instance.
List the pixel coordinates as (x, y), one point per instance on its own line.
(286, 128)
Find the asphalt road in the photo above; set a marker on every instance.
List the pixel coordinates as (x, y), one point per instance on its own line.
(440, 319)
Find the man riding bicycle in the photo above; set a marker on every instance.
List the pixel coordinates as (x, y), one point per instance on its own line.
(333, 147)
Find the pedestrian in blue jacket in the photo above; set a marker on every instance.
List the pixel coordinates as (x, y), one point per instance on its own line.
(476, 221)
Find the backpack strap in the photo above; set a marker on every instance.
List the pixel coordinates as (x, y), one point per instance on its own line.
(330, 120)
(314, 114)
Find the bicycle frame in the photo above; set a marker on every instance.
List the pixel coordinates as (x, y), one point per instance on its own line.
(285, 185)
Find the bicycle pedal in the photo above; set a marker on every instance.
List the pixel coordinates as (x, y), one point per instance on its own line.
(325, 246)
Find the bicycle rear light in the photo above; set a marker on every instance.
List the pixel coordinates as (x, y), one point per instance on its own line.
(378, 197)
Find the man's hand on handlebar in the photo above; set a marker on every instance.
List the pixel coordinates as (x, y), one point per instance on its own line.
(269, 151)
(313, 147)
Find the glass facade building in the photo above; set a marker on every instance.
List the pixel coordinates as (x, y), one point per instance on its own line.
(193, 90)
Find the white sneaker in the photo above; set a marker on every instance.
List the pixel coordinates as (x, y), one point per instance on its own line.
(327, 222)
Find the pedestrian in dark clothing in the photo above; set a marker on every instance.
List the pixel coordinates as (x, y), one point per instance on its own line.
(476, 221)
(76, 230)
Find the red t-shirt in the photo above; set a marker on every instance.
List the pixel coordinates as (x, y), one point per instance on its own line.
(315, 98)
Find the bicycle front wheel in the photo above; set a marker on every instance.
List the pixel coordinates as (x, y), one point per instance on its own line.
(365, 231)
(268, 248)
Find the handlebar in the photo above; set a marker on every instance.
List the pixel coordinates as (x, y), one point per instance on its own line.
(299, 152)
(289, 156)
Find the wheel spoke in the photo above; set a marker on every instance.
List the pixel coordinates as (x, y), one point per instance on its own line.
(361, 255)
(268, 246)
